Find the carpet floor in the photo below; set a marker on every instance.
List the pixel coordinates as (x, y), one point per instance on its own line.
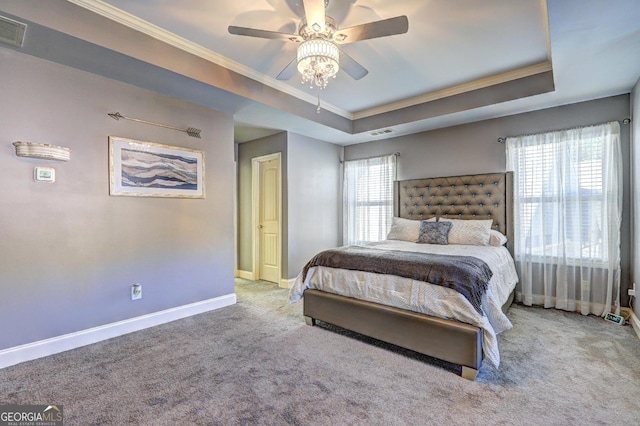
(257, 363)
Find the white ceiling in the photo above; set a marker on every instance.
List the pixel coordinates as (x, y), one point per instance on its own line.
(452, 46)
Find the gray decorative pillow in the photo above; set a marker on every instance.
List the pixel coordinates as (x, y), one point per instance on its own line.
(434, 232)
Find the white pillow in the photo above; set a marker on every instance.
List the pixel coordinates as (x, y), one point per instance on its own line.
(497, 238)
(405, 229)
(469, 232)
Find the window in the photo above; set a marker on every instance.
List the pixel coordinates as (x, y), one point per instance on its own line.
(561, 196)
(568, 210)
(368, 198)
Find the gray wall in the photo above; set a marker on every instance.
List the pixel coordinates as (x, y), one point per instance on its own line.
(473, 148)
(246, 152)
(315, 199)
(69, 252)
(635, 185)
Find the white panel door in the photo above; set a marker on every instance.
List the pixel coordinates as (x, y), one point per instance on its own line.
(269, 221)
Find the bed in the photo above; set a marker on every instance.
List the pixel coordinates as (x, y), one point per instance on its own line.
(434, 320)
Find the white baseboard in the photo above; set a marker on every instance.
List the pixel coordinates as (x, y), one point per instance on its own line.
(287, 283)
(54, 345)
(247, 275)
(635, 323)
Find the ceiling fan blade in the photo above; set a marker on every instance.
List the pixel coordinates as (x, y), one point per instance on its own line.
(274, 35)
(383, 28)
(314, 12)
(351, 66)
(288, 71)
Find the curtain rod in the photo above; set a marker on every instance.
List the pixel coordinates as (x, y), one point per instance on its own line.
(397, 154)
(624, 121)
(191, 131)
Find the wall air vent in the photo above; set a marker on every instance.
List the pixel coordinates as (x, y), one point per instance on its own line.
(12, 32)
(381, 132)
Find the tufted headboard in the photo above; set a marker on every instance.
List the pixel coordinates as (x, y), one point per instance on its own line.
(484, 196)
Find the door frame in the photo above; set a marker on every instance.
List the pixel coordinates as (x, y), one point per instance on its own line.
(255, 211)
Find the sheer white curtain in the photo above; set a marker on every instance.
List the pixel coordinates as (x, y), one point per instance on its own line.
(368, 198)
(568, 210)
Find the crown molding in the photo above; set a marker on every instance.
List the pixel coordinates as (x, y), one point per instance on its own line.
(120, 16)
(547, 29)
(475, 84)
(117, 15)
(457, 90)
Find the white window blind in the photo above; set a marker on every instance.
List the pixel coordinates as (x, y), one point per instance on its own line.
(368, 198)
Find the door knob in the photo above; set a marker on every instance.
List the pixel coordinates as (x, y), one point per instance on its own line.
(260, 226)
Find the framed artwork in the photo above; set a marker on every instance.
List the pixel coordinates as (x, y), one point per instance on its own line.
(147, 169)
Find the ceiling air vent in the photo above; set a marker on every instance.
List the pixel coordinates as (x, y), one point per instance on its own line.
(381, 132)
(12, 32)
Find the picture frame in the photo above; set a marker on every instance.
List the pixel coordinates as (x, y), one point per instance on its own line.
(148, 169)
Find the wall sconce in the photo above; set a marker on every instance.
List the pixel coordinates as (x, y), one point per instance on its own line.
(42, 150)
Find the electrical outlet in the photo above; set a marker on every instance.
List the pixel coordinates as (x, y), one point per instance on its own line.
(632, 291)
(136, 291)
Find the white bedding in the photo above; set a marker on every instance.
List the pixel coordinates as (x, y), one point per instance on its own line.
(422, 297)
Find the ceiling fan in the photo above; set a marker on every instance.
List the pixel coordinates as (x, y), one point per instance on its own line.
(319, 57)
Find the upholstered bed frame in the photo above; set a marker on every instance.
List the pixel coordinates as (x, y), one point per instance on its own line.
(464, 197)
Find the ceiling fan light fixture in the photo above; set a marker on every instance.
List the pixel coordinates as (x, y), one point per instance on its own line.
(318, 60)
